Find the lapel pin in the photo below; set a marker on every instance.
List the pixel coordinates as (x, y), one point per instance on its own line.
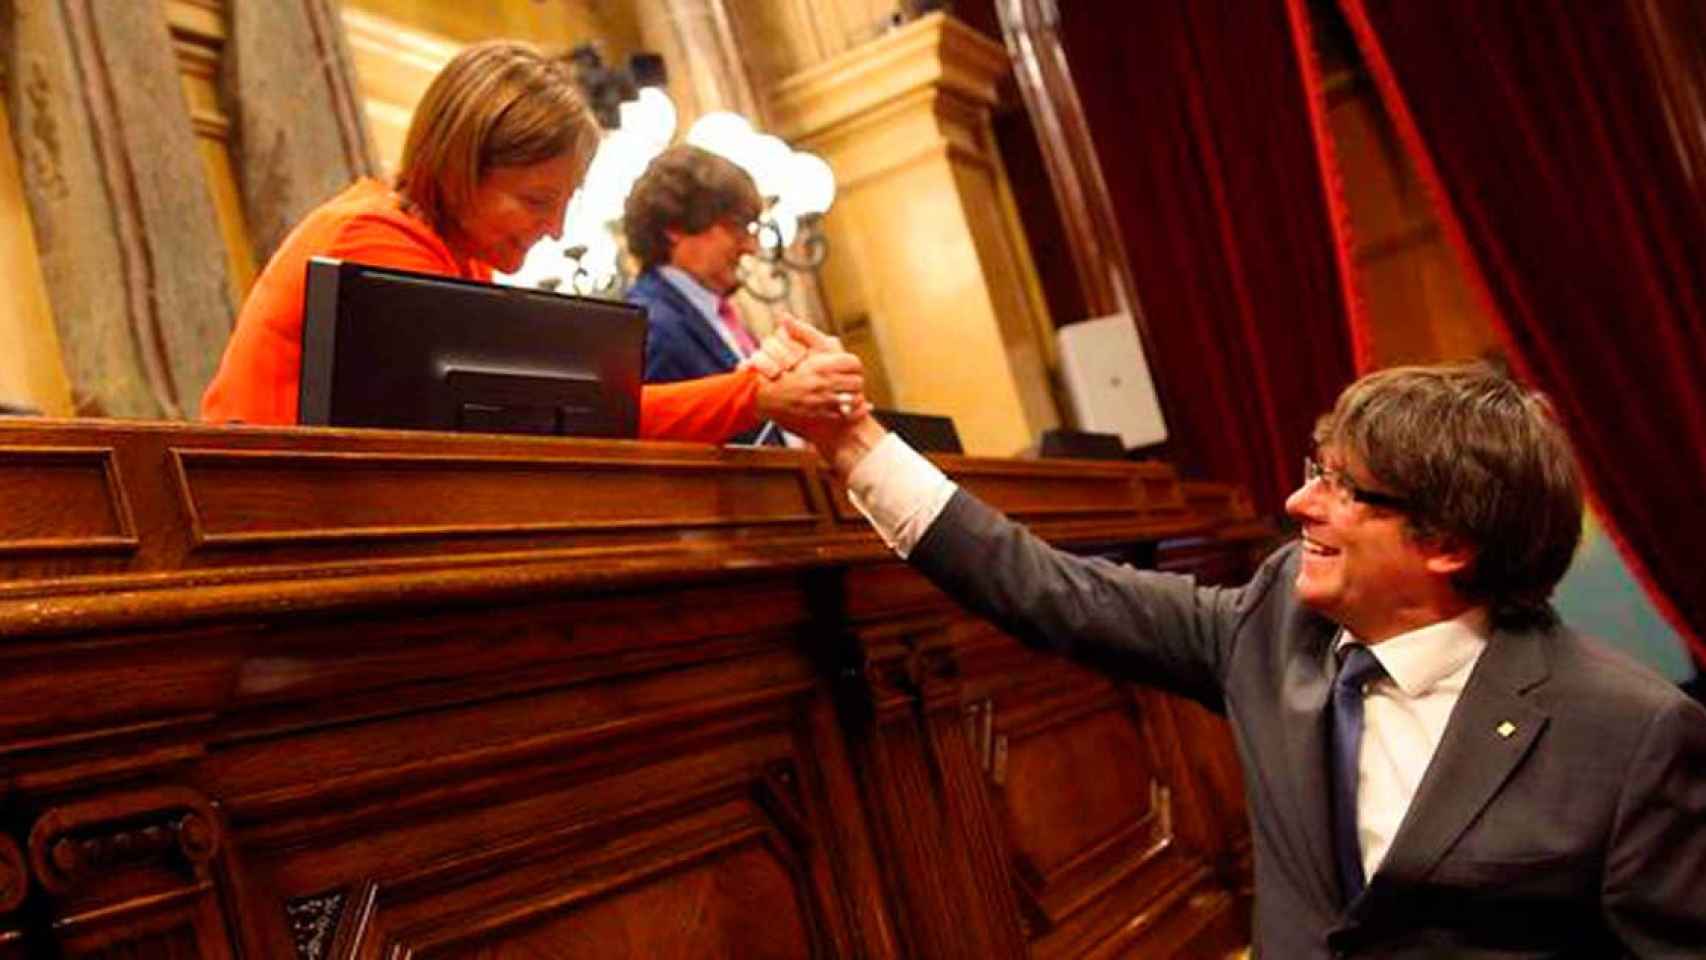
(1506, 729)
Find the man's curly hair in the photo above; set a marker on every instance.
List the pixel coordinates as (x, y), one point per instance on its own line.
(688, 190)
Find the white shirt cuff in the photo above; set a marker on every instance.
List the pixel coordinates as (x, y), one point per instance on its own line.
(899, 491)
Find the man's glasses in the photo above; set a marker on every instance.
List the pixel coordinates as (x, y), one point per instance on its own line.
(747, 225)
(1341, 486)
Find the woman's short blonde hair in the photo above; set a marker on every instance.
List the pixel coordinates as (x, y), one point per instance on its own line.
(496, 104)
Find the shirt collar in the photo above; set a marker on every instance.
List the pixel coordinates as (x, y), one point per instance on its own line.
(696, 293)
(1418, 660)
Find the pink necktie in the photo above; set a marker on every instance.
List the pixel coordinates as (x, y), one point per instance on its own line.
(726, 311)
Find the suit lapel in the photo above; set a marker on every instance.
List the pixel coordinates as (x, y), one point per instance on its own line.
(1490, 731)
(699, 328)
(1308, 684)
(717, 355)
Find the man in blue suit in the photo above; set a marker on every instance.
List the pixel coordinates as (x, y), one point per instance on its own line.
(689, 220)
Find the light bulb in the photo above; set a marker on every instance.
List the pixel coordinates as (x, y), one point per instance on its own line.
(767, 159)
(721, 132)
(810, 182)
(651, 116)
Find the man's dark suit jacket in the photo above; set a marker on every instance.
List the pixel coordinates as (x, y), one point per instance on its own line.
(680, 342)
(1580, 834)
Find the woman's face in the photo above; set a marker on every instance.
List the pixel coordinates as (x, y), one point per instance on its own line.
(513, 207)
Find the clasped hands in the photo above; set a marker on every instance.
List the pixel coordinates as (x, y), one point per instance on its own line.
(808, 383)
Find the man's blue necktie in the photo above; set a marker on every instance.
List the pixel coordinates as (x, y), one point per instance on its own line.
(1358, 670)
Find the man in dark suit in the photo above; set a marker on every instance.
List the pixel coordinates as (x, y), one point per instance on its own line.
(1435, 766)
(689, 219)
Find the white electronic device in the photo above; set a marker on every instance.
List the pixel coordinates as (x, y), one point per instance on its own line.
(1108, 382)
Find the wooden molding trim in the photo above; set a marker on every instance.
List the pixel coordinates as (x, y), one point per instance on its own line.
(501, 496)
(729, 740)
(91, 512)
(339, 520)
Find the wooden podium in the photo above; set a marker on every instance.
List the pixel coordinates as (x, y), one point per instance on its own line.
(328, 694)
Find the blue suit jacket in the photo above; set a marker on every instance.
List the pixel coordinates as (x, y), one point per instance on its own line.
(680, 342)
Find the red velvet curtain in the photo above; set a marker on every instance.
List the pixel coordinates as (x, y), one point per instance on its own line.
(1202, 128)
(1564, 143)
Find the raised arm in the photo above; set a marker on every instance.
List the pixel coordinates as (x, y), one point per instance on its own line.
(1151, 627)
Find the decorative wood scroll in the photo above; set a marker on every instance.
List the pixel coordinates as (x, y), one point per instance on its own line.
(127, 874)
(169, 826)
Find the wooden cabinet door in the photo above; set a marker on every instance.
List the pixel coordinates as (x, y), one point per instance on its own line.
(643, 776)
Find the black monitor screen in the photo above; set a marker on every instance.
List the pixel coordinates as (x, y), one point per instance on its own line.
(1081, 445)
(924, 432)
(390, 348)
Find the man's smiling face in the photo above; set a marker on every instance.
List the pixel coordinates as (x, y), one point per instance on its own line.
(1360, 566)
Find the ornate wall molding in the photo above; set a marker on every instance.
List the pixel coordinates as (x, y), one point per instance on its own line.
(923, 227)
(301, 132)
(130, 247)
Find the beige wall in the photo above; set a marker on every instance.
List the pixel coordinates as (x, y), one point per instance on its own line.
(928, 249)
(394, 62)
(561, 23)
(783, 37)
(399, 45)
(31, 372)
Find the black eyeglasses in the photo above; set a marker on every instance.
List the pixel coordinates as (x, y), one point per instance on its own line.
(1341, 486)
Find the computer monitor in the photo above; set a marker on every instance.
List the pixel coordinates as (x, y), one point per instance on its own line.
(1080, 445)
(391, 348)
(924, 432)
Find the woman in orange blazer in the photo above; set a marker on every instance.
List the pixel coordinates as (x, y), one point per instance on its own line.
(495, 150)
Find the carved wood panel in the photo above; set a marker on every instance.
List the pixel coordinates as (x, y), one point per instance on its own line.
(77, 502)
(128, 874)
(722, 736)
(706, 823)
(1090, 786)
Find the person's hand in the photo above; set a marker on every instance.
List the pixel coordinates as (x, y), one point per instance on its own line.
(798, 352)
(823, 386)
(841, 441)
(844, 444)
(783, 350)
